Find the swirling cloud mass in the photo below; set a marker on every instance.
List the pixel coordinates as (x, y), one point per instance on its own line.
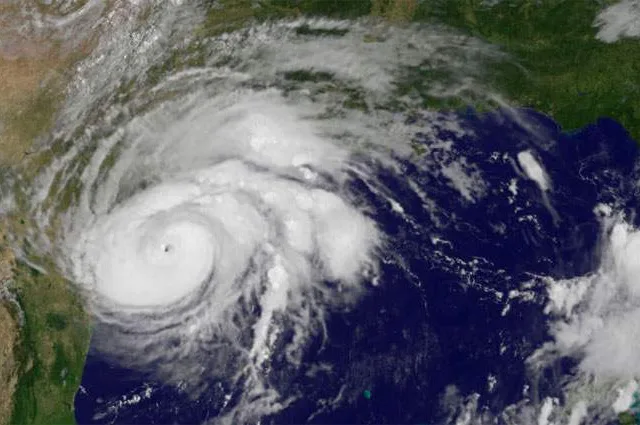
(209, 218)
(238, 228)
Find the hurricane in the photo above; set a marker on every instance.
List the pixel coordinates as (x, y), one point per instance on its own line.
(209, 214)
(237, 218)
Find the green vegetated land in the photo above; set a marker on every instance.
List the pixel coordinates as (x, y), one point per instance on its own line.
(568, 73)
(51, 352)
(557, 66)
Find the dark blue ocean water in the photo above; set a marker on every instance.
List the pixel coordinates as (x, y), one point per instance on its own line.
(435, 320)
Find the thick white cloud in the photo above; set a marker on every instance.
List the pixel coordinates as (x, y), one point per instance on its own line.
(597, 314)
(621, 20)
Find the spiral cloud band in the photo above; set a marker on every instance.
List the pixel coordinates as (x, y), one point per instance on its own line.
(210, 218)
(167, 241)
(239, 211)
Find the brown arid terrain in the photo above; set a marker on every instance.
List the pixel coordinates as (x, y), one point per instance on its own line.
(21, 80)
(27, 75)
(35, 65)
(23, 67)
